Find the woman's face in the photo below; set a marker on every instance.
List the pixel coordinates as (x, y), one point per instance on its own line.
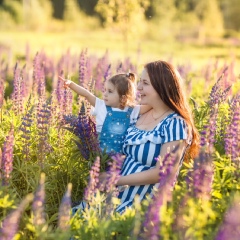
(148, 94)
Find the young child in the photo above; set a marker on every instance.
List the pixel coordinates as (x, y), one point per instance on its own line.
(115, 112)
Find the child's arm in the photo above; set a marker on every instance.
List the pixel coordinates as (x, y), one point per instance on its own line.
(144, 109)
(79, 90)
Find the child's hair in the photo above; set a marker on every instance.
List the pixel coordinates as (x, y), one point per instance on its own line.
(125, 85)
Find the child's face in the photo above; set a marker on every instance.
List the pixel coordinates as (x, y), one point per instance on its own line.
(110, 95)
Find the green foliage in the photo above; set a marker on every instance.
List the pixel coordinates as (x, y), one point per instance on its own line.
(122, 16)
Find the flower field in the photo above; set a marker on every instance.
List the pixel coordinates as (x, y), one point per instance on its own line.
(50, 158)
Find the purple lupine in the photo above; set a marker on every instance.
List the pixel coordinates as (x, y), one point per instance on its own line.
(65, 210)
(1, 92)
(99, 76)
(43, 118)
(114, 171)
(217, 94)
(23, 74)
(84, 128)
(36, 62)
(232, 136)
(168, 174)
(17, 91)
(10, 224)
(119, 68)
(41, 86)
(67, 101)
(113, 175)
(7, 156)
(229, 228)
(82, 67)
(107, 73)
(201, 178)
(91, 188)
(38, 203)
(60, 92)
(26, 132)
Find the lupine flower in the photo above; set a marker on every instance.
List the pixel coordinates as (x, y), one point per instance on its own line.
(7, 156)
(91, 188)
(65, 209)
(36, 66)
(1, 92)
(114, 171)
(25, 127)
(17, 91)
(113, 175)
(10, 224)
(82, 67)
(218, 95)
(107, 73)
(230, 226)
(67, 101)
(38, 203)
(84, 128)
(232, 136)
(201, 178)
(168, 174)
(119, 68)
(43, 117)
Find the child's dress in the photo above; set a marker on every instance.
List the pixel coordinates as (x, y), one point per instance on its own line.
(112, 125)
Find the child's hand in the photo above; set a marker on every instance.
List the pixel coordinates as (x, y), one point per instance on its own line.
(66, 82)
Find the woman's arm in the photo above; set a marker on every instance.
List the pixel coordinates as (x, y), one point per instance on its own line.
(151, 176)
(79, 90)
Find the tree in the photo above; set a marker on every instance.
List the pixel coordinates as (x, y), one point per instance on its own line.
(210, 19)
(126, 16)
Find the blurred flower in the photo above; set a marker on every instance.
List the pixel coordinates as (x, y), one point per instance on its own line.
(162, 195)
(91, 188)
(65, 209)
(84, 127)
(10, 224)
(201, 178)
(38, 203)
(1, 92)
(7, 156)
(230, 229)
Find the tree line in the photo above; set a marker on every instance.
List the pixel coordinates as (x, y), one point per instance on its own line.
(180, 18)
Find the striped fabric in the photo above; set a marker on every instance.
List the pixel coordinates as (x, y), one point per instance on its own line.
(141, 148)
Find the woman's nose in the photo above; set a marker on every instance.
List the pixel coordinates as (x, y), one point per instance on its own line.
(139, 86)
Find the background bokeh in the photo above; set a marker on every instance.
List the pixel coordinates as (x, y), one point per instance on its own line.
(186, 30)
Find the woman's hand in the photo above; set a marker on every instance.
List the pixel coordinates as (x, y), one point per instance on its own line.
(66, 82)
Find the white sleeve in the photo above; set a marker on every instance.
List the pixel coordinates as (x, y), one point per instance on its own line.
(100, 112)
(135, 113)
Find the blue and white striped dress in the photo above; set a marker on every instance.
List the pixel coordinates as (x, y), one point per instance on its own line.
(141, 148)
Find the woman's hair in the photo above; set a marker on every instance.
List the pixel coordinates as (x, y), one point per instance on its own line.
(126, 88)
(166, 80)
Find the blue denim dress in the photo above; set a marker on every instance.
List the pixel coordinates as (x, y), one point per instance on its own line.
(114, 130)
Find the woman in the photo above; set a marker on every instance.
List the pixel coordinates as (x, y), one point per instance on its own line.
(168, 124)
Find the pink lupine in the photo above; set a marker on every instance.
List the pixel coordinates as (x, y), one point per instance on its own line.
(7, 156)
(229, 228)
(1, 92)
(17, 91)
(91, 188)
(10, 224)
(38, 203)
(232, 138)
(201, 178)
(65, 210)
(168, 174)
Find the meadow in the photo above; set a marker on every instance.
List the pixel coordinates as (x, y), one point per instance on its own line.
(49, 158)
